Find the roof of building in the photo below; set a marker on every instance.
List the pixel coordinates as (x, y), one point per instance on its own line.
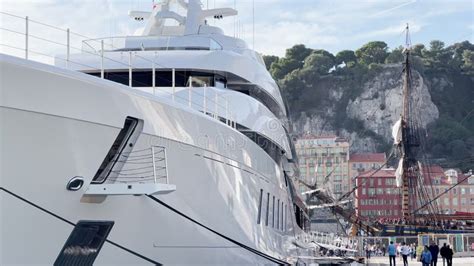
(384, 172)
(311, 136)
(433, 169)
(367, 157)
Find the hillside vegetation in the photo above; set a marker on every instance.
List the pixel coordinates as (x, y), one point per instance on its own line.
(319, 86)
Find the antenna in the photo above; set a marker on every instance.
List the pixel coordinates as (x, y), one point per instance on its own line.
(253, 24)
(235, 19)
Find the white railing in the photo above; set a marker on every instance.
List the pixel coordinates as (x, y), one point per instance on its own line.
(38, 41)
(332, 240)
(154, 43)
(142, 166)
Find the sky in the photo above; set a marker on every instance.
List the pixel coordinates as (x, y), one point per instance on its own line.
(333, 25)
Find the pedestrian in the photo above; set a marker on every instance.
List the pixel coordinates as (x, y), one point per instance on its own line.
(426, 257)
(384, 250)
(405, 250)
(413, 251)
(434, 249)
(392, 253)
(442, 252)
(367, 251)
(449, 256)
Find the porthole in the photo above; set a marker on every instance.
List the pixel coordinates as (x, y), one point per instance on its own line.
(75, 183)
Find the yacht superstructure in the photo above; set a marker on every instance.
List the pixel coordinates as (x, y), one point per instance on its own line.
(170, 147)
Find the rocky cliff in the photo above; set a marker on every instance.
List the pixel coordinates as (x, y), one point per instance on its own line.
(358, 95)
(378, 107)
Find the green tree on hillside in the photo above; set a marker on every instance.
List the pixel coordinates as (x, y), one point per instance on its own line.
(279, 69)
(417, 50)
(345, 56)
(468, 65)
(395, 56)
(320, 62)
(298, 52)
(372, 52)
(269, 59)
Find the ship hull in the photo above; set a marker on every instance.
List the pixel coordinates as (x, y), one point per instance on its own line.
(56, 125)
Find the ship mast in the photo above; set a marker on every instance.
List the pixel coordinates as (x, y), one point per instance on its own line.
(408, 137)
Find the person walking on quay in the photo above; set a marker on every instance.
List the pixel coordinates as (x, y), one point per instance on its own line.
(426, 257)
(413, 251)
(367, 251)
(392, 253)
(449, 256)
(442, 252)
(434, 249)
(405, 250)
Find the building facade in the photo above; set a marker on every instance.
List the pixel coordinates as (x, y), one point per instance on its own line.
(362, 162)
(323, 160)
(459, 198)
(377, 195)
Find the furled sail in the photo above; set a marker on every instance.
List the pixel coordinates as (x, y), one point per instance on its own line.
(397, 132)
(399, 173)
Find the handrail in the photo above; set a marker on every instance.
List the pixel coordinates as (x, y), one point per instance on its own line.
(31, 50)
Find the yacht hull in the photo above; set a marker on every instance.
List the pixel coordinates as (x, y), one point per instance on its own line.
(58, 124)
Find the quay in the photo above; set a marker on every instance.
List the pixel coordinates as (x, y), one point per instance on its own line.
(383, 261)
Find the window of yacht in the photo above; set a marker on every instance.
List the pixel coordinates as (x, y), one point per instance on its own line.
(219, 82)
(278, 214)
(282, 215)
(164, 78)
(141, 79)
(268, 208)
(273, 212)
(260, 207)
(201, 81)
(266, 144)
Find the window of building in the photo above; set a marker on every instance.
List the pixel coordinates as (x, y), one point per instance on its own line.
(363, 191)
(379, 191)
(446, 201)
(371, 191)
(455, 201)
(454, 191)
(463, 201)
(463, 191)
(371, 181)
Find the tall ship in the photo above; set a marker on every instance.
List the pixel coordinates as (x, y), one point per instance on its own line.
(420, 211)
(168, 147)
